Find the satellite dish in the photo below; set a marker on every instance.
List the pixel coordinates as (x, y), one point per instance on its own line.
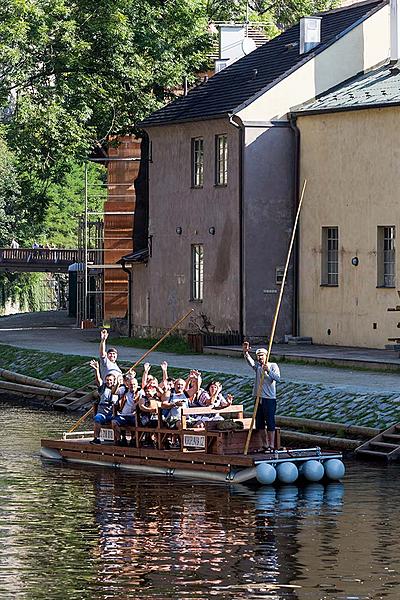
(248, 45)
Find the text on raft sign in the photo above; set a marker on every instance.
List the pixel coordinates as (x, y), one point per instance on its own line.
(194, 441)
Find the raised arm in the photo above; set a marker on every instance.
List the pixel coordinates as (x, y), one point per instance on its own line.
(146, 371)
(164, 369)
(96, 367)
(246, 353)
(103, 339)
(195, 380)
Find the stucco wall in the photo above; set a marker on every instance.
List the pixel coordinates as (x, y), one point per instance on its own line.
(268, 218)
(161, 291)
(351, 161)
(362, 48)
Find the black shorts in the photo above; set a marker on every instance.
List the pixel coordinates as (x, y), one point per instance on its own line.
(266, 414)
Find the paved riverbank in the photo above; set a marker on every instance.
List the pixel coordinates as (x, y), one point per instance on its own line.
(54, 332)
(331, 394)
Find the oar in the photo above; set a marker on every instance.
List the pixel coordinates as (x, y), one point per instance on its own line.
(174, 326)
(278, 306)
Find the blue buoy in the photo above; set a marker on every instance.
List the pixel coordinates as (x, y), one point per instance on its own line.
(334, 469)
(312, 470)
(287, 472)
(265, 473)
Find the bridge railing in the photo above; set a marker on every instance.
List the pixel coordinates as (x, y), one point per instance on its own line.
(50, 255)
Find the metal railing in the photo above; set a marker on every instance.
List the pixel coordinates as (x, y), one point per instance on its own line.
(57, 256)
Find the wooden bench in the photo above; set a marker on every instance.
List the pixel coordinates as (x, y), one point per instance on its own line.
(234, 409)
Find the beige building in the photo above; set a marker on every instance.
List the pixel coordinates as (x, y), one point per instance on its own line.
(350, 156)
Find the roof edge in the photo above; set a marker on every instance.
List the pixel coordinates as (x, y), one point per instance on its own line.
(313, 54)
(188, 120)
(337, 109)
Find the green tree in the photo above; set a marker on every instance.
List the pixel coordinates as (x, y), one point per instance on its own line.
(66, 203)
(10, 196)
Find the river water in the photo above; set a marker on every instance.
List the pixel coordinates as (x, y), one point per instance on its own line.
(76, 533)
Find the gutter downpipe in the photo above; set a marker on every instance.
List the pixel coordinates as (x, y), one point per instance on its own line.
(296, 191)
(129, 272)
(240, 126)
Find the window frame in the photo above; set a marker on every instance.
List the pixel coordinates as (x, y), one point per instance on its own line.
(386, 256)
(197, 272)
(221, 160)
(197, 162)
(330, 256)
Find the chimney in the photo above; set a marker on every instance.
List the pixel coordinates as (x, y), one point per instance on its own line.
(394, 31)
(310, 33)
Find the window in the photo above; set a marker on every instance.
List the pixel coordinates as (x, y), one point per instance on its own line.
(386, 256)
(221, 159)
(197, 278)
(197, 162)
(330, 256)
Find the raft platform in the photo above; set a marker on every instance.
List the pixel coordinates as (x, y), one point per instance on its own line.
(221, 460)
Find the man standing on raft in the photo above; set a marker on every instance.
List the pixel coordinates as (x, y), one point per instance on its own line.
(267, 405)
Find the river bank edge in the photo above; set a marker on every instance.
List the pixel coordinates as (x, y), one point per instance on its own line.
(311, 401)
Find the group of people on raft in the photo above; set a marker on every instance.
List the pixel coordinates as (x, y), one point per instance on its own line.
(124, 403)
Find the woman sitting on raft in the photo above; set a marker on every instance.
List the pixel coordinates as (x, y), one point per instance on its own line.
(211, 397)
(103, 407)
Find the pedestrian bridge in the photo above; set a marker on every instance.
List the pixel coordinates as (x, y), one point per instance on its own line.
(44, 260)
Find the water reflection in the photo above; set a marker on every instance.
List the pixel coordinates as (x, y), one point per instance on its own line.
(78, 533)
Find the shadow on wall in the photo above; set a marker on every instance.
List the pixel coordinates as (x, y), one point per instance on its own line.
(268, 217)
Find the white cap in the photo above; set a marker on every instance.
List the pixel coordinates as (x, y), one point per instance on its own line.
(261, 351)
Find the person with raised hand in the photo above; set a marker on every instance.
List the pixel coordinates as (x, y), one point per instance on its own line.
(266, 410)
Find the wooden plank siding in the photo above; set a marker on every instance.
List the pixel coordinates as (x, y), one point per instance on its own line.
(118, 229)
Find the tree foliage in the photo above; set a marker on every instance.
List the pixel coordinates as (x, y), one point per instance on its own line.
(10, 197)
(76, 73)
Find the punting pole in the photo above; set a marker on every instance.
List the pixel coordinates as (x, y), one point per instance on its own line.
(278, 306)
(174, 326)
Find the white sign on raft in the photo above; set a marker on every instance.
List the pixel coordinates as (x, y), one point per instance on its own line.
(194, 441)
(107, 434)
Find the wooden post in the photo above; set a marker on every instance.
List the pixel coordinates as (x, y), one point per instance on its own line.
(278, 306)
(185, 316)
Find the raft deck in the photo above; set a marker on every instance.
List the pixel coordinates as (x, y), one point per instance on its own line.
(194, 463)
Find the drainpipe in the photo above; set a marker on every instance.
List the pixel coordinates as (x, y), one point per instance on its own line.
(129, 272)
(238, 123)
(296, 191)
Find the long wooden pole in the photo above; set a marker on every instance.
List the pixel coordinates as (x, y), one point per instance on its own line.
(278, 306)
(174, 326)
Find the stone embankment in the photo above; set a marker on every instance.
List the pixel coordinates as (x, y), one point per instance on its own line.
(311, 401)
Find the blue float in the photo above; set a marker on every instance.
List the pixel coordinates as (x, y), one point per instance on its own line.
(334, 469)
(265, 473)
(312, 470)
(287, 472)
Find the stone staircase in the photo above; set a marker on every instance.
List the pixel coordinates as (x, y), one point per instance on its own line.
(385, 445)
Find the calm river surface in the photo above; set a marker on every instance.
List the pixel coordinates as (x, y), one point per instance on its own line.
(74, 533)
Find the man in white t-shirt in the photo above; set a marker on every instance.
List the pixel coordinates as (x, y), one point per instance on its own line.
(108, 359)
